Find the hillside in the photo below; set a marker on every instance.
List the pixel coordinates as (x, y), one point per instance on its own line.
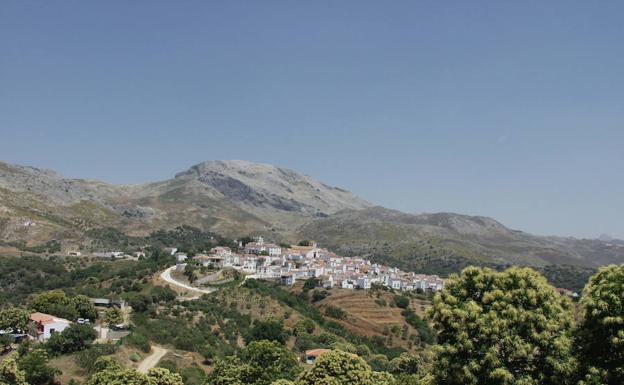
(445, 242)
(238, 198)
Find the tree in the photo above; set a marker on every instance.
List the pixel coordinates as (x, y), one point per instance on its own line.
(230, 371)
(139, 302)
(268, 361)
(55, 302)
(113, 316)
(271, 330)
(75, 338)
(501, 328)
(401, 301)
(260, 363)
(13, 318)
(601, 333)
(406, 363)
(338, 368)
(189, 272)
(163, 294)
(10, 374)
(84, 307)
(110, 372)
(35, 366)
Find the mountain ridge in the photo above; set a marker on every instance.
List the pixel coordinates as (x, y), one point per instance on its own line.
(238, 197)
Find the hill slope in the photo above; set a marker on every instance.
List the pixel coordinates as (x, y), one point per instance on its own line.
(450, 241)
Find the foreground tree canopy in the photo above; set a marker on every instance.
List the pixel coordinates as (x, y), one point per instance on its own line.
(502, 328)
(601, 334)
(13, 319)
(10, 374)
(110, 372)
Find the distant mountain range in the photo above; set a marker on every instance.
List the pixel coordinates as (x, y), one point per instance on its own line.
(238, 198)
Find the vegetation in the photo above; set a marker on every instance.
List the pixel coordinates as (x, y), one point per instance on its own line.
(507, 327)
(57, 303)
(487, 327)
(75, 338)
(260, 363)
(110, 372)
(601, 334)
(11, 374)
(35, 366)
(13, 319)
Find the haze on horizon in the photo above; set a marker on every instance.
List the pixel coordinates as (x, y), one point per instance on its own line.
(513, 111)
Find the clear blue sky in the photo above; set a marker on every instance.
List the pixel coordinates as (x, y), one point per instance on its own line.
(510, 109)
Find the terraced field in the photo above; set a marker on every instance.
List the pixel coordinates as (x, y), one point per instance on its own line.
(366, 314)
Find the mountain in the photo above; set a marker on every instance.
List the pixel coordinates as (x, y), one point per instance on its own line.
(447, 241)
(229, 197)
(237, 198)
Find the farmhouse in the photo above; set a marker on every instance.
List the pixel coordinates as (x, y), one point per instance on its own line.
(46, 325)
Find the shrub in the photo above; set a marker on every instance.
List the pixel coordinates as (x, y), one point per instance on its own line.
(138, 341)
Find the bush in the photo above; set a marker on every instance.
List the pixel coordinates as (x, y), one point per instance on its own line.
(426, 334)
(270, 330)
(401, 301)
(138, 341)
(335, 312)
(86, 358)
(134, 357)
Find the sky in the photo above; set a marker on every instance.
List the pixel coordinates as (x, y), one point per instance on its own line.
(513, 110)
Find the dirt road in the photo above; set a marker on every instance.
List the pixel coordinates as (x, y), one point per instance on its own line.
(153, 359)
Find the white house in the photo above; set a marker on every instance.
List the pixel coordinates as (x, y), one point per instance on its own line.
(46, 325)
(288, 279)
(363, 282)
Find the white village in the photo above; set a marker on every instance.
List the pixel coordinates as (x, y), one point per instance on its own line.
(264, 260)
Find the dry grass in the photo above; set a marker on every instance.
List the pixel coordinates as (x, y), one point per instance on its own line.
(70, 370)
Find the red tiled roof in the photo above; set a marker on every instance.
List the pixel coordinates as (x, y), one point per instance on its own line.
(43, 318)
(316, 352)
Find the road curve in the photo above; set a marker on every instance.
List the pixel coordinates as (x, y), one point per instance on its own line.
(166, 276)
(152, 360)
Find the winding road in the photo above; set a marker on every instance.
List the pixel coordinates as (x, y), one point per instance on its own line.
(166, 276)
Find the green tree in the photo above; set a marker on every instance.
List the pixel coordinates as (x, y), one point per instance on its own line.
(406, 363)
(13, 318)
(271, 330)
(338, 368)
(401, 301)
(110, 372)
(35, 366)
(84, 307)
(74, 338)
(601, 333)
(113, 316)
(55, 302)
(260, 363)
(10, 374)
(230, 371)
(502, 328)
(269, 360)
(189, 272)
